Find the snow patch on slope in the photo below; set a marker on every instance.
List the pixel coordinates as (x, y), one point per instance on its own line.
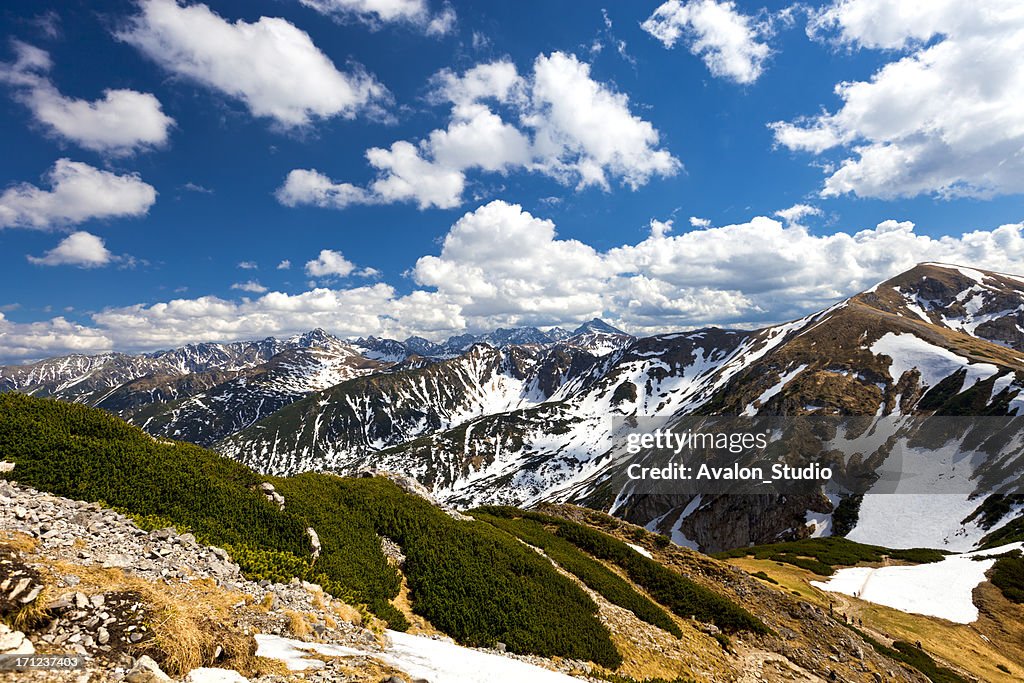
(437, 661)
(940, 589)
(767, 395)
(917, 520)
(935, 363)
(642, 551)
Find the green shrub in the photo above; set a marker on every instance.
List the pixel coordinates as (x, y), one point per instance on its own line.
(595, 575)
(822, 555)
(914, 656)
(471, 580)
(1011, 532)
(351, 556)
(679, 594)
(83, 453)
(922, 661)
(1008, 576)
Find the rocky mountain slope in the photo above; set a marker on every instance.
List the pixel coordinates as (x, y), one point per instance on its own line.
(157, 605)
(521, 416)
(145, 594)
(869, 355)
(354, 420)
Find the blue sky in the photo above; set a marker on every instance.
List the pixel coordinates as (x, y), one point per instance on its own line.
(533, 201)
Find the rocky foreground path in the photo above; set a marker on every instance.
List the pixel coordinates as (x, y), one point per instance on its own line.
(80, 579)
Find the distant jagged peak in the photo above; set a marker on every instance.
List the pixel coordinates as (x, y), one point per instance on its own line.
(422, 346)
(598, 326)
(558, 333)
(315, 338)
(517, 335)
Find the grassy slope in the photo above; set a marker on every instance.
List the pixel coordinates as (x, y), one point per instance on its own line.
(476, 583)
(469, 579)
(595, 575)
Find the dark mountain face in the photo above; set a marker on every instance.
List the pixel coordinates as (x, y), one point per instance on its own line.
(345, 426)
(524, 415)
(199, 392)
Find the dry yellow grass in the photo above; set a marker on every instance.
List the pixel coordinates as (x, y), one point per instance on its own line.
(264, 666)
(22, 544)
(31, 614)
(297, 624)
(16, 540)
(188, 620)
(418, 625)
(346, 612)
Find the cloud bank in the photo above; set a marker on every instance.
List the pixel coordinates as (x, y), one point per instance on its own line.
(500, 265)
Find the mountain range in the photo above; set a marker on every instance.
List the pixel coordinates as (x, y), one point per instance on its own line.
(522, 416)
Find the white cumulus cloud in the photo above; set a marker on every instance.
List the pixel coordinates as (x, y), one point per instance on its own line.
(251, 286)
(49, 338)
(119, 123)
(375, 12)
(730, 43)
(557, 120)
(944, 116)
(270, 65)
(329, 264)
(78, 192)
(308, 186)
(81, 249)
(797, 212)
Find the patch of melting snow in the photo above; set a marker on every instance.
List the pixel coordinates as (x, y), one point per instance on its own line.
(821, 521)
(438, 661)
(642, 551)
(907, 351)
(917, 520)
(213, 675)
(940, 589)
